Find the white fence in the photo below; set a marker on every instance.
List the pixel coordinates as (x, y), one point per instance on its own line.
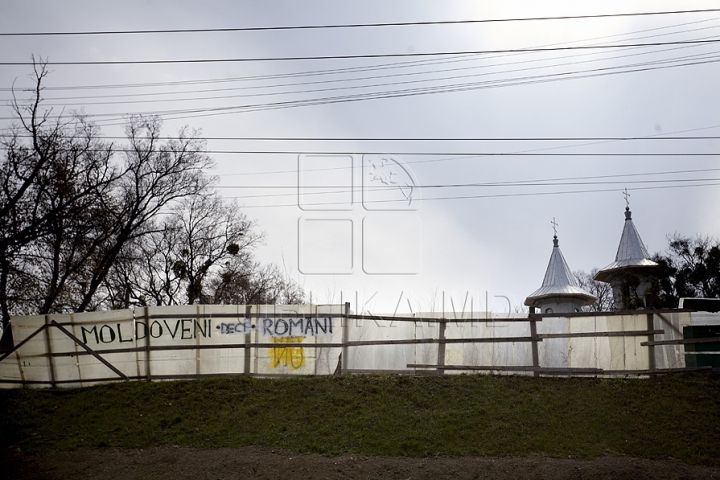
(158, 343)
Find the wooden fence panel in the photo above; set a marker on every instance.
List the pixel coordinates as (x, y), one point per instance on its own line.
(219, 340)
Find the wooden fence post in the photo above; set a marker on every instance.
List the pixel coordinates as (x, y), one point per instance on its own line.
(248, 341)
(651, 338)
(48, 347)
(345, 324)
(441, 346)
(147, 343)
(534, 345)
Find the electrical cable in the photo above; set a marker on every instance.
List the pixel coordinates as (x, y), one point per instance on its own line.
(358, 56)
(702, 56)
(402, 64)
(528, 80)
(351, 191)
(394, 75)
(498, 195)
(355, 25)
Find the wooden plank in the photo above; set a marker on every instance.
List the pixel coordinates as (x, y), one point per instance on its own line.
(365, 371)
(559, 371)
(540, 316)
(570, 371)
(681, 341)
(658, 370)
(509, 368)
(474, 367)
(365, 343)
(361, 343)
(438, 320)
(488, 340)
(435, 340)
(93, 353)
(194, 347)
(629, 333)
(535, 317)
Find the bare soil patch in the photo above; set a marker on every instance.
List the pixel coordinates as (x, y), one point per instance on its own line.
(269, 463)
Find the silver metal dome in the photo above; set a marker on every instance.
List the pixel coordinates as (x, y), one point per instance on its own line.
(559, 282)
(631, 252)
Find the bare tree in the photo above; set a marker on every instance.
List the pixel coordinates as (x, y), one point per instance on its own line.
(155, 175)
(601, 290)
(69, 205)
(52, 173)
(210, 232)
(87, 224)
(145, 272)
(176, 263)
(245, 282)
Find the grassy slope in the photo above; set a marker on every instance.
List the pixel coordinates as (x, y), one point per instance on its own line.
(673, 416)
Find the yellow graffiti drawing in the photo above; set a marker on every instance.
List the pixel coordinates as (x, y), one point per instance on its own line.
(293, 357)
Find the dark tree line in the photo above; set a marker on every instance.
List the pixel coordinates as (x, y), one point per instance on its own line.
(87, 224)
(690, 267)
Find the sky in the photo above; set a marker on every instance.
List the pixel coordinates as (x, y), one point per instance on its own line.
(397, 180)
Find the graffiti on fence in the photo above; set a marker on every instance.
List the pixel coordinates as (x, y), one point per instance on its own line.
(285, 331)
(241, 327)
(191, 329)
(294, 327)
(293, 357)
(280, 327)
(180, 329)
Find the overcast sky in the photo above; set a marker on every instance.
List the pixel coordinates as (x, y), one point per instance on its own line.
(395, 221)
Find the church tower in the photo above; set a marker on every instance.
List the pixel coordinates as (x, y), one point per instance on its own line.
(560, 292)
(632, 272)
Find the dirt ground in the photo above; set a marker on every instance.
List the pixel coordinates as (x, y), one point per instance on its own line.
(267, 463)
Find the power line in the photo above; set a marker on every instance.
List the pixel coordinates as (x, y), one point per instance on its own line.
(360, 56)
(467, 185)
(453, 158)
(536, 180)
(372, 77)
(394, 65)
(701, 56)
(479, 154)
(309, 73)
(528, 80)
(424, 139)
(424, 153)
(507, 184)
(294, 172)
(496, 195)
(378, 95)
(355, 25)
(531, 80)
